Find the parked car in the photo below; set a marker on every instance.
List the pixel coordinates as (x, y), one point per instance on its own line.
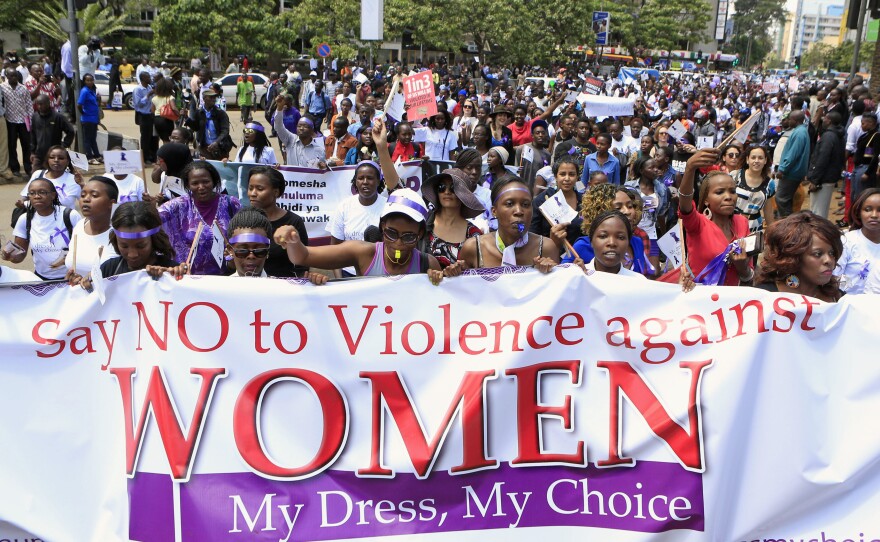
(229, 83)
(102, 83)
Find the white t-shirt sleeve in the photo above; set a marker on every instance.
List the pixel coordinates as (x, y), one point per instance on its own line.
(336, 226)
(20, 227)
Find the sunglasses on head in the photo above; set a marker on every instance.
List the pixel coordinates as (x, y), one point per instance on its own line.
(393, 235)
(257, 252)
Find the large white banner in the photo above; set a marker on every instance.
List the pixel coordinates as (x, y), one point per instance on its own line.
(607, 106)
(563, 405)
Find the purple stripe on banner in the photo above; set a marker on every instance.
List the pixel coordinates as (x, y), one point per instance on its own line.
(651, 497)
(151, 503)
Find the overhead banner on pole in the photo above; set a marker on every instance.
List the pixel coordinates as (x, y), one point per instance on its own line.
(372, 19)
(502, 405)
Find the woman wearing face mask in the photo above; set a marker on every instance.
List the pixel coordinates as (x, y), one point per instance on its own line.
(91, 236)
(402, 224)
(265, 186)
(203, 204)
(713, 230)
(754, 187)
(68, 182)
(46, 228)
(355, 214)
(511, 244)
(800, 254)
(610, 235)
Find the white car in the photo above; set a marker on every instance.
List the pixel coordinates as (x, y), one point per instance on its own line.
(102, 83)
(229, 83)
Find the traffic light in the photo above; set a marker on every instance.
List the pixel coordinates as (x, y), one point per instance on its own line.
(797, 62)
(699, 57)
(736, 61)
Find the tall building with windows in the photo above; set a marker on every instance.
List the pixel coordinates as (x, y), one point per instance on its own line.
(809, 24)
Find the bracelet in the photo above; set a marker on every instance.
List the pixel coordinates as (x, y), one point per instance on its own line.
(748, 277)
(682, 194)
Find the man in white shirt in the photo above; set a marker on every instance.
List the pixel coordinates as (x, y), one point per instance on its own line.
(854, 131)
(144, 66)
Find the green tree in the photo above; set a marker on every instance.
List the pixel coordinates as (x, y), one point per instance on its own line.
(335, 22)
(97, 20)
(226, 26)
(658, 24)
(817, 56)
(752, 22)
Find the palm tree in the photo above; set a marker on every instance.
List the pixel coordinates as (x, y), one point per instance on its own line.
(97, 21)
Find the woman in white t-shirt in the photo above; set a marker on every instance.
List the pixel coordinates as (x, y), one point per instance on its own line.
(46, 229)
(130, 186)
(440, 141)
(860, 261)
(360, 211)
(610, 234)
(68, 182)
(255, 149)
(464, 124)
(91, 236)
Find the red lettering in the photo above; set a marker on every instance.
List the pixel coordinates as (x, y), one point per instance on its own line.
(179, 450)
(650, 345)
(514, 347)
(184, 336)
(530, 332)
(624, 379)
(463, 336)
(40, 339)
(343, 326)
(247, 436)
(429, 331)
(805, 325)
(700, 326)
(740, 310)
(529, 411)
(447, 326)
(161, 342)
(303, 336)
(258, 324)
(389, 390)
(560, 327)
(626, 340)
(784, 313)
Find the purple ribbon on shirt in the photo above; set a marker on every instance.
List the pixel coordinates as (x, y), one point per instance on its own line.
(716, 270)
(863, 274)
(62, 233)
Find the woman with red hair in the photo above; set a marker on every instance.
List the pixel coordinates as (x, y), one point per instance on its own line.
(800, 254)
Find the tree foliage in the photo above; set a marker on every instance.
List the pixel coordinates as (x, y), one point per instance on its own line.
(228, 27)
(658, 24)
(97, 20)
(752, 22)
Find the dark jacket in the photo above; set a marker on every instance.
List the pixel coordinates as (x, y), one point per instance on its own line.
(828, 157)
(49, 130)
(541, 226)
(199, 119)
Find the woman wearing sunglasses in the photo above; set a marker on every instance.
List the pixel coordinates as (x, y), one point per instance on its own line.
(402, 225)
(448, 225)
(465, 123)
(255, 149)
(248, 234)
(731, 158)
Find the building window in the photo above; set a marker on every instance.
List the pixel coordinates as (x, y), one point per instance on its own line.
(148, 15)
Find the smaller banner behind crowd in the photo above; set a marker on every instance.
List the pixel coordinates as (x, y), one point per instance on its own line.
(313, 194)
(501, 405)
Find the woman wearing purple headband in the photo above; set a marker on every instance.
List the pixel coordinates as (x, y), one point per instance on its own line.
(512, 244)
(401, 227)
(138, 238)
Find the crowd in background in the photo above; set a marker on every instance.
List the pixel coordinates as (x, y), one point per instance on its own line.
(741, 174)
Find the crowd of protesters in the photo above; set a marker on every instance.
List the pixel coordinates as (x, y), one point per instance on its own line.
(744, 178)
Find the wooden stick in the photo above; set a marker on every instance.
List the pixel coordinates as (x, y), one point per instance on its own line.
(565, 242)
(192, 249)
(732, 135)
(73, 266)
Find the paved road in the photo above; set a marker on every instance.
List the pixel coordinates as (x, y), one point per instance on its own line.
(115, 121)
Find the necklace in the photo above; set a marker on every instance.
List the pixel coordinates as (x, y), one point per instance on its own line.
(397, 260)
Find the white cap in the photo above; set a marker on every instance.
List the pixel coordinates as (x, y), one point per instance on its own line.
(313, 72)
(408, 202)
